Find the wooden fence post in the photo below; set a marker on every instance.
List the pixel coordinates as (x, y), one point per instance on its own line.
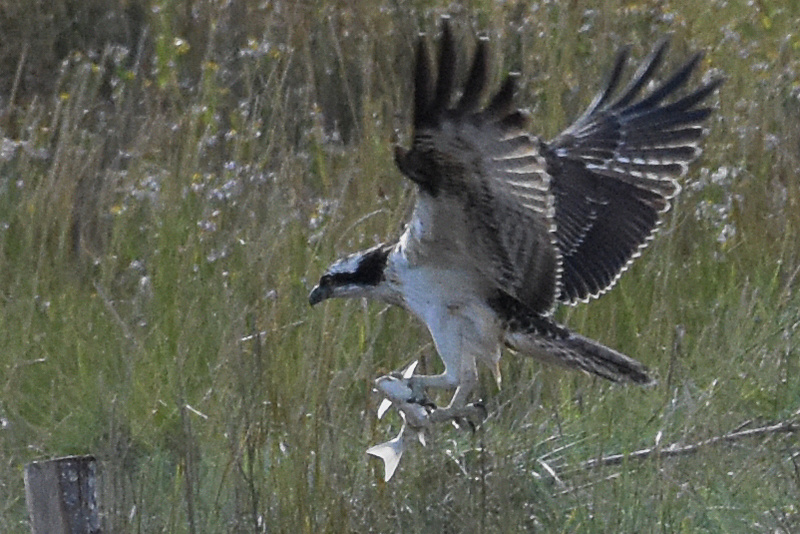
(62, 496)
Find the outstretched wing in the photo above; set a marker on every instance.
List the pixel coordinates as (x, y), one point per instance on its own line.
(484, 191)
(614, 171)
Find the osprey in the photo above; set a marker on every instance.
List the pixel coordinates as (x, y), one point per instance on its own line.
(507, 226)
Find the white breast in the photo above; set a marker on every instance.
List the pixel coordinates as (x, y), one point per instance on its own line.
(447, 300)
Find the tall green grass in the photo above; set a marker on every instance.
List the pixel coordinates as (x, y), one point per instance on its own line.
(175, 175)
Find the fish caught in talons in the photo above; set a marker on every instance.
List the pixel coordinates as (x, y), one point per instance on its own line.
(414, 410)
(396, 389)
(415, 420)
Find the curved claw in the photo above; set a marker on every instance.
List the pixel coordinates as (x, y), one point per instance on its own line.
(471, 415)
(475, 414)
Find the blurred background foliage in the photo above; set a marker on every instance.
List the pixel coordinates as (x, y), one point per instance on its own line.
(174, 175)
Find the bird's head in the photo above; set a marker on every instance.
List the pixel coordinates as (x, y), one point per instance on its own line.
(357, 275)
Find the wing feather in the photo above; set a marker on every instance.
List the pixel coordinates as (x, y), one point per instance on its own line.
(545, 221)
(447, 71)
(476, 83)
(484, 180)
(614, 170)
(422, 83)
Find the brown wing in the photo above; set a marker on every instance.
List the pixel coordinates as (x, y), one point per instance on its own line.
(614, 170)
(485, 178)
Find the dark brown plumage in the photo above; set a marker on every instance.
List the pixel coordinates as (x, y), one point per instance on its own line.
(606, 180)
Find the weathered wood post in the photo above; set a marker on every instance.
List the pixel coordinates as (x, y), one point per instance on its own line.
(62, 496)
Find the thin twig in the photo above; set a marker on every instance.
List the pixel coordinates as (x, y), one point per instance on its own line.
(680, 450)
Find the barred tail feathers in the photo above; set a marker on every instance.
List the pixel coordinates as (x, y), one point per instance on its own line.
(568, 349)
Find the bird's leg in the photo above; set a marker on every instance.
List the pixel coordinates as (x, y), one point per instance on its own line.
(459, 409)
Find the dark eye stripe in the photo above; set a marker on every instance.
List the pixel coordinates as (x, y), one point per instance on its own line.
(369, 270)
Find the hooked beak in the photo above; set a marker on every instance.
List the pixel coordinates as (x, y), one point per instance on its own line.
(318, 294)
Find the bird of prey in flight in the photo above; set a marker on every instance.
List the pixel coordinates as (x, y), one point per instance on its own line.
(507, 226)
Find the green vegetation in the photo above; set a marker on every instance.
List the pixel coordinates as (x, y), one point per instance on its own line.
(175, 175)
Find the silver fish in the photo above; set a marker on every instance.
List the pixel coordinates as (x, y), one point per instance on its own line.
(415, 419)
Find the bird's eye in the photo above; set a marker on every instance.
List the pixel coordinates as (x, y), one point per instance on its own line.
(325, 280)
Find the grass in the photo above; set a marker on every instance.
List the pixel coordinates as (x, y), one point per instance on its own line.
(175, 175)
